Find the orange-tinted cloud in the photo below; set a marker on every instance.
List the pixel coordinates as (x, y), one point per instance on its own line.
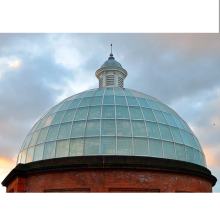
(6, 166)
(212, 159)
(192, 43)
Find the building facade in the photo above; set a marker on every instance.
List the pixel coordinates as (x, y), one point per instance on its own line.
(110, 139)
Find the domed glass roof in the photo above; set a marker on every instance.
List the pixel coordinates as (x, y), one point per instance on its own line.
(111, 62)
(111, 121)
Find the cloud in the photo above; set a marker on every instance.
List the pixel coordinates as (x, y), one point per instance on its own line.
(39, 70)
(6, 166)
(15, 64)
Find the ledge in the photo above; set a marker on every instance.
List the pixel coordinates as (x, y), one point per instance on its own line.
(111, 162)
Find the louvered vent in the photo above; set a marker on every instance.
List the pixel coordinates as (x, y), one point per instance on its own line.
(101, 82)
(120, 82)
(110, 80)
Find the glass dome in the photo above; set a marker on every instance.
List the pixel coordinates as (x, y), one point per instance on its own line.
(111, 121)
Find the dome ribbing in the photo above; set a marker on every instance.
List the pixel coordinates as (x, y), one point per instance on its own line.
(111, 121)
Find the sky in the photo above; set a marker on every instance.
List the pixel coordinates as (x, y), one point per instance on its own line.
(39, 70)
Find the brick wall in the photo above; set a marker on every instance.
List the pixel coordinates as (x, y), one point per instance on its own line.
(18, 184)
(114, 180)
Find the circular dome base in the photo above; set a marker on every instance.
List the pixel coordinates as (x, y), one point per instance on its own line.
(110, 174)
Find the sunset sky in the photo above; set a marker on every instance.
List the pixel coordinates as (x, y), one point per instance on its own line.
(39, 70)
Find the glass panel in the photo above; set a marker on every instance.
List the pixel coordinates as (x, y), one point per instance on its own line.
(135, 113)
(138, 128)
(196, 154)
(143, 102)
(81, 113)
(165, 132)
(152, 104)
(108, 100)
(168, 149)
(189, 129)
(161, 106)
(48, 113)
(178, 122)
(171, 111)
(148, 114)
(120, 100)
(185, 137)
(176, 134)
(49, 120)
(94, 112)
(123, 128)
(69, 115)
(49, 150)
(147, 96)
(197, 143)
(155, 148)
(140, 146)
(108, 111)
(42, 135)
(75, 103)
(169, 119)
(64, 131)
(62, 149)
(99, 92)
(189, 154)
(202, 159)
(168, 109)
(23, 157)
(65, 105)
(137, 94)
(124, 146)
(78, 128)
(109, 92)
(22, 148)
(119, 92)
(193, 143)
(180, 152)
(152, 129)
(184, 125)
(19, 158)
(57, 108)
(108, 127)
(108, 145)
(92, 145)
(160, 117)
(38, 152)
(58, 117)
(71, 97)
(81, 95)
(34, 138)
(128, 93)
(132, 101)
(122, 112)
(76, 146)
(97, 100)
(93, 127)
(28, 141)
(41, 123)
(52, 134)
(85, 101)
(91, 93)
(30, 154)
(34, 127)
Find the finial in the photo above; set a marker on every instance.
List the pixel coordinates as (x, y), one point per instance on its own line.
(111, 55)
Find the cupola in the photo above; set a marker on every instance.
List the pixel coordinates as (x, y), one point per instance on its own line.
(111, 73)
